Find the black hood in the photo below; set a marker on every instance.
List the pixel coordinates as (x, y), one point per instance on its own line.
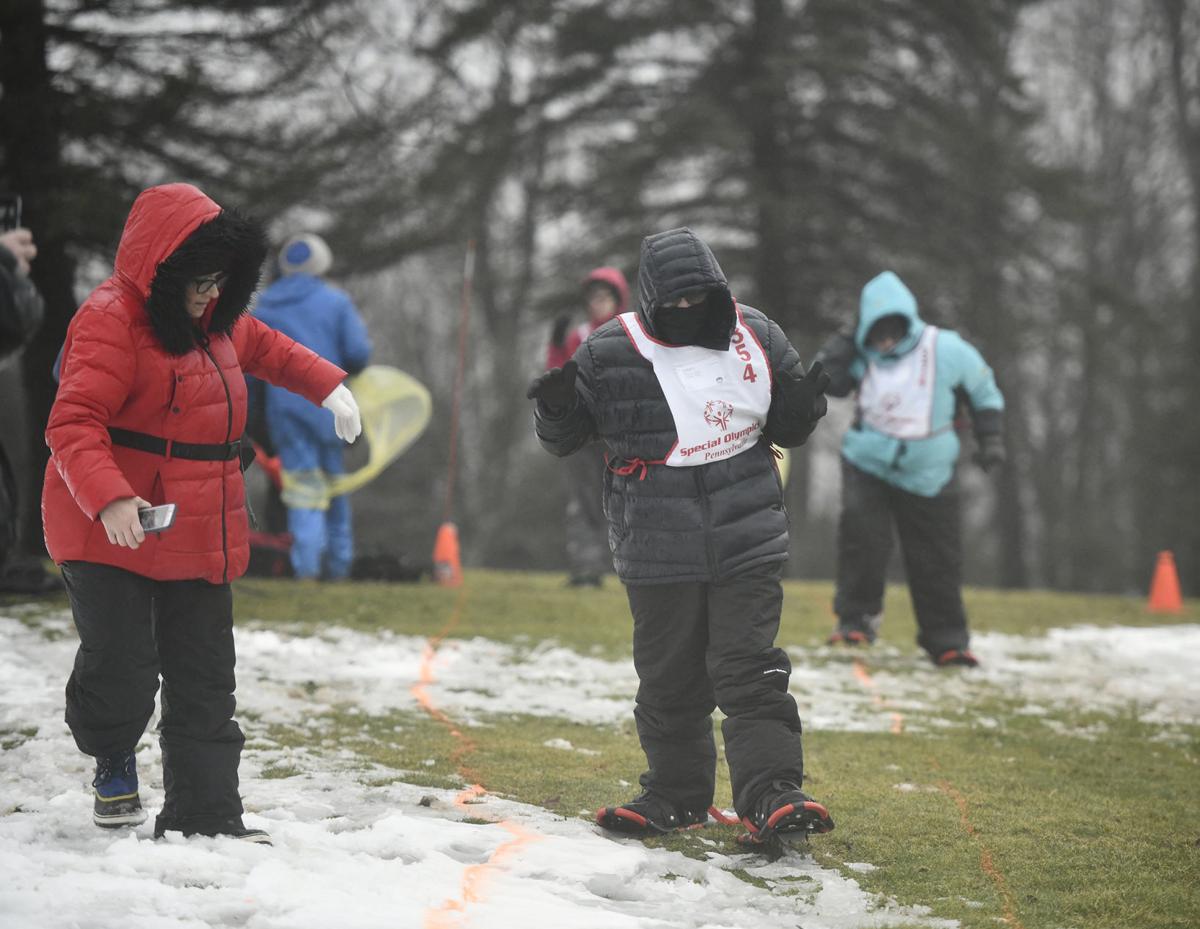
(230, 242)
(672, 264)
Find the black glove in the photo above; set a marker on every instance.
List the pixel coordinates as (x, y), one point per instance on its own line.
(991, 452)
(558, 330)
(556, 388)
(805, 393)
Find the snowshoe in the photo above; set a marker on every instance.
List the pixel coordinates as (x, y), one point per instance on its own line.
(956, 656)
(784, 810)
(855, 631)
(648, 814)
(117, 802)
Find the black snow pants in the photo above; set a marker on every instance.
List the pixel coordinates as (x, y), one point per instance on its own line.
(931, 541)
(131, 630)
(588, 555)
(698, 646)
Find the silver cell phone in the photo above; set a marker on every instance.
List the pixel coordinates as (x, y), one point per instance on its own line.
(157, 518)
(10, 212)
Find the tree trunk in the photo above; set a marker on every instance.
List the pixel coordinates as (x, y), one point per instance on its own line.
(29, 121)
(766, 110)
(1185, 86)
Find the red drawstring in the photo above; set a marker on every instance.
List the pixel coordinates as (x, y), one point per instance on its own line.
(631, 465)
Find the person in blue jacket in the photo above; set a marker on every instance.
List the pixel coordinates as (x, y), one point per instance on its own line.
(898, 462)
(323, 318)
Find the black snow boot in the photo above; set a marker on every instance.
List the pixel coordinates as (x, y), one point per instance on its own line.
(233, 828)
(649, 814)
(784, 807)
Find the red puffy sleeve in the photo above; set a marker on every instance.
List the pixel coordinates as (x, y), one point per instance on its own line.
(269, 354)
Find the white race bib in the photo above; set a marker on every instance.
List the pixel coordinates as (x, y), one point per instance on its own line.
(718, 399)
(897, 399)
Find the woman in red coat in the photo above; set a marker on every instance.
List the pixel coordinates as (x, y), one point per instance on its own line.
(150, 410)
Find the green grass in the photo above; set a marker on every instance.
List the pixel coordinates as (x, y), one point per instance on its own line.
(1080, 833)
(516, 607)
(1099, 834)
(1085, 833)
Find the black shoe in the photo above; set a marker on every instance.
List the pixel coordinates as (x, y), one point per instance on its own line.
(784, 807)
(649, 815)
(27, 576)
(856, 630)
(232, 828)
(246, 834)
(117, 802)
(585, 580)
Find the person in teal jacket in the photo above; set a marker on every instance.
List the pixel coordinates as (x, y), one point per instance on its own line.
(898, 462)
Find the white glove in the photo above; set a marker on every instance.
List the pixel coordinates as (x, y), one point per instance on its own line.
(346, 421)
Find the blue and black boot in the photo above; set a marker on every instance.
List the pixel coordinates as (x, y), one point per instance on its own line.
(117, 802)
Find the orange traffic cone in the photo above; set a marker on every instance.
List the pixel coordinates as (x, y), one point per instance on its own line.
(1164, 589)
(447, 569)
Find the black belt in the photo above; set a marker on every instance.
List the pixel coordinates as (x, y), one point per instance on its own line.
(169, 448)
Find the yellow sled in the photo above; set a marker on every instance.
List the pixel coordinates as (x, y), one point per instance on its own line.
(395, 410)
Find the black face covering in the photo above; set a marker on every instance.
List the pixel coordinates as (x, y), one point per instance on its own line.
(682, 325)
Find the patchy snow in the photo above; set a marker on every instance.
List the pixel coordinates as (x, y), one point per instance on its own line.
(1112, 670)
(352, 853)
(566, 746)
(349, 852)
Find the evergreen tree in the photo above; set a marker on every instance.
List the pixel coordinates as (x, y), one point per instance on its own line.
(102, 99)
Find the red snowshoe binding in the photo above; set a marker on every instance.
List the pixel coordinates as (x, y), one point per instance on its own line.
(648, 815)
(784, 808)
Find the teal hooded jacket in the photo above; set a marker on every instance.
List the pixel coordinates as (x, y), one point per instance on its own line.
(919, 466)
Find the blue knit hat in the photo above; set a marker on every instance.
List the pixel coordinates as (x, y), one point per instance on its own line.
(306, 253)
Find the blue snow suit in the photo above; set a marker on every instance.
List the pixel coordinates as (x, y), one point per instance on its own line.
(919, 466)
(322, 318)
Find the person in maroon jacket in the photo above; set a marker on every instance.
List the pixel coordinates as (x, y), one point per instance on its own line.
(150, 410)
(605, 294)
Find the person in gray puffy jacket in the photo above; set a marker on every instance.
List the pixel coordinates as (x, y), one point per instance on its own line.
(687, 393)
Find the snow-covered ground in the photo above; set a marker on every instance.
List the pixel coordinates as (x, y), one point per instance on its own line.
(349, 854)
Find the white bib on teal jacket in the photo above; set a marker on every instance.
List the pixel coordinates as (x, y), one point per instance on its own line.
(897, 399)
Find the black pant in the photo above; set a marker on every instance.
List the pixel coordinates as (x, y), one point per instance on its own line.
(931, 541)
(131, 630)
(588, 555)
(700, 646)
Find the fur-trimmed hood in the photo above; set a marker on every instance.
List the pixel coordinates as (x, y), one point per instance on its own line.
(176, 233)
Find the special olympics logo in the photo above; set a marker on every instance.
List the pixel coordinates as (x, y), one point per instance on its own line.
(717, 413)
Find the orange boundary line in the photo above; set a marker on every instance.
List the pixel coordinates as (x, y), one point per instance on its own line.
(986, 863)
(474, 877)
(864, 677)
